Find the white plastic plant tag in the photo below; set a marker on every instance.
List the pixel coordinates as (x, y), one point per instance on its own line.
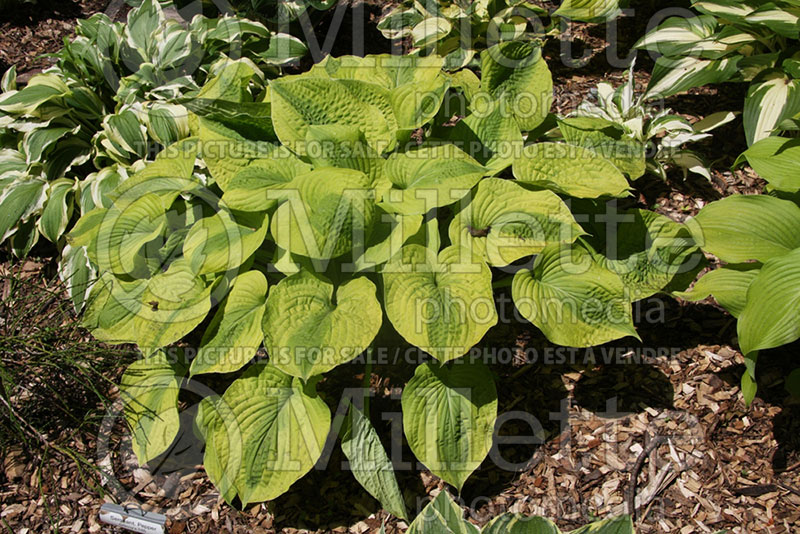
(132, 518)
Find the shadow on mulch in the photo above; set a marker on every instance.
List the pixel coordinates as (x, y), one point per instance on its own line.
(30, 14)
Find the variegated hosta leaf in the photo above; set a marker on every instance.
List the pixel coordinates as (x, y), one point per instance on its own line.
(442, 304)
(672, 76)
(504, 222)
(574, 301)
(777, 160)
(589, 10)
(616, 525)
(167, 123)
(448, 417)
(770, 100)
(224, 241)
(608, 140)
(20, 199)
(678, 36)
(369, 463)
(770, 317)
(328, 212)
(77, 274)
(728, 285)
(58, 210)
(516, 74)
(520, 524)
(570, 170)
(253, 187)
(312, 327)
(268, 431)
(428, 178)
(150, 388)
(738, 229)
(174, 303)
(40, 89)
(443, 515)
(234, 335)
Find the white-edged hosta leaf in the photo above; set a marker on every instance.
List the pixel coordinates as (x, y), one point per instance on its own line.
(589, 10)
(519, 524)
(770, 317)
(443, 304)
(442, 516)
(673, 76)
(448, 417)
(570, 170)
(369, 463)
(738, 229)
(310, 327)
(505, 222)
(770, 100)
(150, 388)
(574, 301)
(58, 209)
(224, 240)
(234, 335)
(622, 524)
(40, 89)
(727, 285)
(77, 274)
(18, 201)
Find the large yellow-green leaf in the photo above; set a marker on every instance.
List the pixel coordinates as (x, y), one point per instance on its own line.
(112, 306)
(743, 228)
(570, 170)
(607, 140)
(234, 335)
(311, 327)
(770, 318)
(442, 516)
(174, 303)
(328, 212)
(505, 222)
(369, 463)
(428, 178)
(777, 160)
(281, 424)
(150, 388)
(728, 285)
(489, 134)
(572, 300)
(222, 460)
(616, 525)
(224, 240)
(448, 417)
(520, 524)
(390, 233)
(442, 304)
(342, 146)
(515, 74)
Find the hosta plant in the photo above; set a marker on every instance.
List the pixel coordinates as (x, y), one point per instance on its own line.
(342, 206)
(662, 133)
(459, 29)
(748, 41)
(110, 104)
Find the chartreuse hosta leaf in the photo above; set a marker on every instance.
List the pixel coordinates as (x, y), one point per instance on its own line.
(777, 160)
(370, 464)
(150, 388)
(311, 327)
(112, 306)
(607, 140)
(615, 525)
(234, 335)
(490, 134)
(520, 524)
(570, 170)
(253, 187)
(448, 417)
(505, 222)
(574, 301)
(328, 212)
(728, 285)
(515, 74)
(428, 178)
(224, 240)
(442, 515)
(743, 228)
(174, 303)
(269, 431)
(770, 317)
(345, 147)
(442, 304)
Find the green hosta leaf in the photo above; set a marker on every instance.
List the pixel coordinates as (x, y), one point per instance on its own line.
(124, 230)
(216, 424)
(150, 390)
(428, 178)
(370, 464)
(345, 147)
(589, 10)
(743, 228)
(519, 524)
(516, 74)
(76, 273)
(112, 306)
(58, 210)
(749, 388)
(253, 187)
(728, 285)
(167, 123)
(37, 142)
(572, 300)
(390, 233)
(505, 222)
(448, 417)
(310, 328)
(490, 135)
(770, 318)
(442, 515)
(328, 213)
(282, 425)
(224, 241)
(777, 160)
(252, 120)
(616, 525)
(570, 170)
(174, 303)
(608, 141)
(770, 100)
(234, 335)
(443, 304)
(18, 201)
(302, 102)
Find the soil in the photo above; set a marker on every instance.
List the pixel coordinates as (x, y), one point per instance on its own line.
(668, 429)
